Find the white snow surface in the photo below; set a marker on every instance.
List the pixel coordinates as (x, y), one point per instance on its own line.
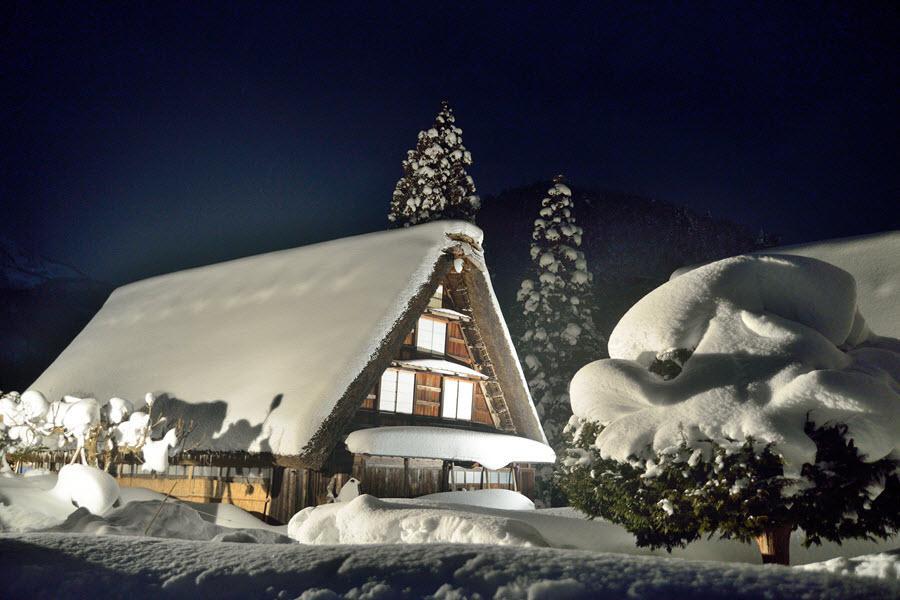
(502, 499)
(775, 338)
(437, 365)
(43, 564)
(884, 565)
(368, 520)
(238, 347)
(874, 261)
(491, 450)
(88, 487)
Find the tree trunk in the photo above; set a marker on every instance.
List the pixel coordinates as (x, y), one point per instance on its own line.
(775, 545)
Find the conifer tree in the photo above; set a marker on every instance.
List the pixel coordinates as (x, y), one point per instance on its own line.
(435, 184)
(559, 333)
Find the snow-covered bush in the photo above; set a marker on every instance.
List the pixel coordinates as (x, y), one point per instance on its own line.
(558, 332)
(95, 432)
(435, 184)
(747, 397)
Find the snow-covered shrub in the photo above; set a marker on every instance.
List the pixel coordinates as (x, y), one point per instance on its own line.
(95, 432)
(435, 184)
(746, 397)
(674, 496)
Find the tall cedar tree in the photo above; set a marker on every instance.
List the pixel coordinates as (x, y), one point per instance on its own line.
(435, 184)
(739, 490)
(559, 333)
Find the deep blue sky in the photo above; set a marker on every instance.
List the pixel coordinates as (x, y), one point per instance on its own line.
(137, 140)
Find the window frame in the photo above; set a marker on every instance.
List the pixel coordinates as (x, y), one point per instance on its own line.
(430, 348)
(458, 383)
(401, 377)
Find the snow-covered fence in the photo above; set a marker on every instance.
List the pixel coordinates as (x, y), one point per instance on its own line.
(33, 429)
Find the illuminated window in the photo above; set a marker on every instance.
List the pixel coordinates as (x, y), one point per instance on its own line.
(437, 298)
(456, 399)
(397, 391)
(431, 335)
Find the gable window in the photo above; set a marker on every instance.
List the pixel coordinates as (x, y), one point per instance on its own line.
(397, 391)
(431, 335)
(437, 298)
(456, 399)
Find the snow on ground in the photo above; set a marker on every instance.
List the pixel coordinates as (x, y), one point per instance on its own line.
(370, 548)
(503, 499)
(884, 565)
(125, 567)
(774, 339)
(368, 520)
(492, 450)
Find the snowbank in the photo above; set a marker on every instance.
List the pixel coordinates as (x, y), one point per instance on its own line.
(88, 487)
(774, 339)
(368, 520)
(125, 567)
(502, 499)
(885, 565)
(41, 502)
(492, 450)
(171, 520)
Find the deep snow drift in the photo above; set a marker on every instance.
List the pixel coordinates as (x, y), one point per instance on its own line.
(774, 339)
(124, 567)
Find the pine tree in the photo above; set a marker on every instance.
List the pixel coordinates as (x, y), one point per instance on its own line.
(559, 333)
(435, 184)
(673, 497)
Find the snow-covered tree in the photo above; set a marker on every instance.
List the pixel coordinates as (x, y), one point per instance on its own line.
(559, 334)
(748, 398)
(739, 490)
(435, 184)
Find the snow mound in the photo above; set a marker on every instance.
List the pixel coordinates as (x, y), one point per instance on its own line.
(500, 499)
(773, 339)
(87, 487)
(492, 450)
(368, 520)
(874, 261)
(884, 565)
(171, 520)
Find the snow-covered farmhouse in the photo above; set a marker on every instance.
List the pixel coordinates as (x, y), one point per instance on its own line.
(384, 357)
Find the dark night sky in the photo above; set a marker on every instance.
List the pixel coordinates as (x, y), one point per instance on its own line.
(136, 141)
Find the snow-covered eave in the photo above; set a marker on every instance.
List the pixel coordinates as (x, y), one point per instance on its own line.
(439, 366)
(491, 450)
(448, 313)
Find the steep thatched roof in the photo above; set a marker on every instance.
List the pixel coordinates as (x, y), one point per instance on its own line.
(271, 354)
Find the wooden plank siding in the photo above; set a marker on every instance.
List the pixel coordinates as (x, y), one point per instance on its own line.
(428, 395)
(456, 344)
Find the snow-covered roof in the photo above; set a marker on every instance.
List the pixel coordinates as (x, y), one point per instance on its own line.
(437, 365)
(492, 450)
(260, 351)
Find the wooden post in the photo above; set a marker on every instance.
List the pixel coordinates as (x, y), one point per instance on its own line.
(775, 545)
(406, 478)
(452, 476)
(482, 477)
(514, 472)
